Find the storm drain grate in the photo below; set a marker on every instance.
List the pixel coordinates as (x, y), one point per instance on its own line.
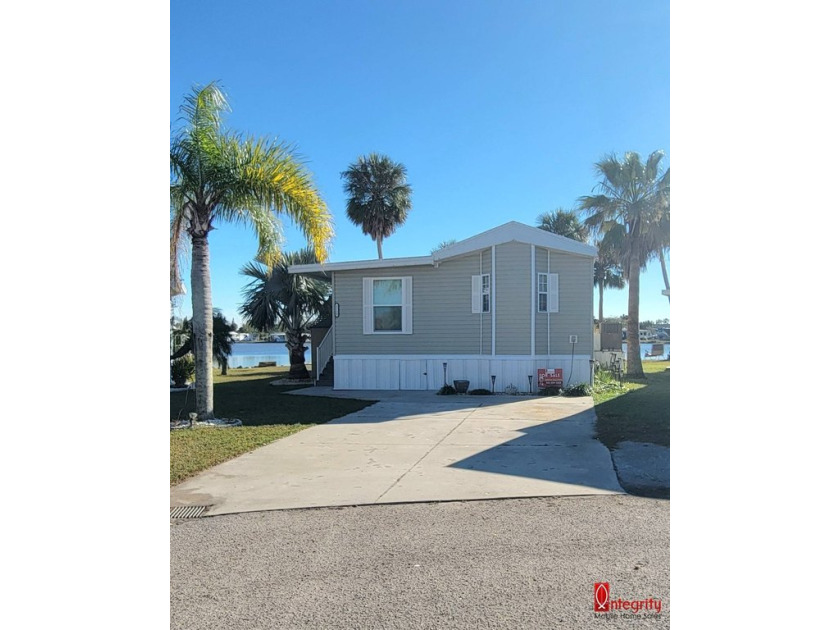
(187, 511)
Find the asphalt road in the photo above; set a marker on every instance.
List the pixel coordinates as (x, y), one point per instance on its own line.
(513, 563)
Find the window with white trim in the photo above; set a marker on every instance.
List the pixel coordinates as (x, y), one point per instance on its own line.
(481, 293)
(386, 306)
(547, 294)
(542, 292)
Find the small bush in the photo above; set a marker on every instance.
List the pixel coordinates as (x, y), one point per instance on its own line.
(549, 391)
(511, 390)
(581, 389)
(605, 383)
(182, 370)
(446, 390)
(480, 392)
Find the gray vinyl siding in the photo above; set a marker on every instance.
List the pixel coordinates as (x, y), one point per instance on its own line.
(441, 304)
(575, 297)
(513, 298)
(443, 322)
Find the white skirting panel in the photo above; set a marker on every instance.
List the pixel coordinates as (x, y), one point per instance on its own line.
(426, 372)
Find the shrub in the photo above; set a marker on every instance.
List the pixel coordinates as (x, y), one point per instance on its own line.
(511, 390)
(446, 390)
(549, 391)
(182, 370)
(605, 383)
(480, 392)
(581, 389)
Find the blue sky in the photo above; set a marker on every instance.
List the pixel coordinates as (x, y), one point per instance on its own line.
(498, 109)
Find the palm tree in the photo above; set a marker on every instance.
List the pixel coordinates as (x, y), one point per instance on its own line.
(564, 223)
(625, 213)
(222, 339)
(217, 176)
(291, 301)
(608, 274)
(660, 233)
(379, 196)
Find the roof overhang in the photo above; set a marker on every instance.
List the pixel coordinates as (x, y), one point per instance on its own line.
(509, 232)
(324, 269)
(518, 232)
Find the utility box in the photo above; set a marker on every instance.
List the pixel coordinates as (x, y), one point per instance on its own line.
(611, 336)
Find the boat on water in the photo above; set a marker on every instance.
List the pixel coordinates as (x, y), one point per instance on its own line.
(657, 350)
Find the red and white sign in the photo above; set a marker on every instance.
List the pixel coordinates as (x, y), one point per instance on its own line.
(549, 377)
(602, 597)
(604, 604)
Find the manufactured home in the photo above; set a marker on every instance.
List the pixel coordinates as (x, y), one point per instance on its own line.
(493, 309)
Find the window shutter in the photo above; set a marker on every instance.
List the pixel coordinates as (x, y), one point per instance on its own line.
(408, 319)
(553, 293)
(476, 294)
(367, 306)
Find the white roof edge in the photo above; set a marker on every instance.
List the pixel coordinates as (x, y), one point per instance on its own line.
(383, 263)
(511, 231)
(515, 231)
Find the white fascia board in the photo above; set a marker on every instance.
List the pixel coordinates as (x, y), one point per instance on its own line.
(385, 263)
(515, 231)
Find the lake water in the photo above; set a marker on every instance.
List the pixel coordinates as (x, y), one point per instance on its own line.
(647, 347)
(250, 354)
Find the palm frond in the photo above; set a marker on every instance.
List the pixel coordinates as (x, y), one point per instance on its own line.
(268, 178)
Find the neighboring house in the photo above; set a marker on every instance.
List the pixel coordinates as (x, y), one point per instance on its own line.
(647, 335)
(506, 302)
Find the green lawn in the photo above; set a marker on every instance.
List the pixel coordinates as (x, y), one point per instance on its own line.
(641, 413)
(266, 413)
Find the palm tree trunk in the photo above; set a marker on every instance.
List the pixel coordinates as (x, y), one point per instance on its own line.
(665, 273)
(379, 246)
(296, 343)
(600, 300)
(634, 352)
(202, 321)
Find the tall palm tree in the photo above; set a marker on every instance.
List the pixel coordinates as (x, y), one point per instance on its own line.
(660, 232)
(625, 213)
(291, 301)
(379, 196)
(564, 223)
(219, 175)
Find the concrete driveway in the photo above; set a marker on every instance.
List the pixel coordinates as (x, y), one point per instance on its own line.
(416, 446)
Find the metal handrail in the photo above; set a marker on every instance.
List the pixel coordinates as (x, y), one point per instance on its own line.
(324, 352)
